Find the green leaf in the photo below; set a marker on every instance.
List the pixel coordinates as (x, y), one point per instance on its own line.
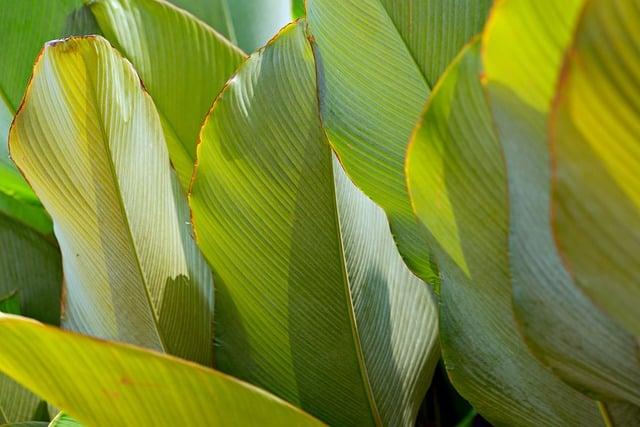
(24, 27)
(456, 178)
(314, 301)
(247, 23)
(103, 383)
(182, 62)
(297, 9)
(10, 303)
(376, 63)
(90, 142)
(64, 420)
(522, 51)
(595, 130)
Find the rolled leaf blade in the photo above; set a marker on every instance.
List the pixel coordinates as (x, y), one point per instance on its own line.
(596, 154)
(562, 327)
(301, 256)
(456, 177)
(90, 141)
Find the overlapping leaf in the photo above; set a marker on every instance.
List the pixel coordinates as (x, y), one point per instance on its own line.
(247, 23)
(313, 300)
(456, 178)
(24, 27)
(90, 142)
(372, 95)
(102, 383)
(596, 148)
(182, 62)
(562, 327)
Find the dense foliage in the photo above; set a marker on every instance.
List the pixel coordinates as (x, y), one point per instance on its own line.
(191, 235)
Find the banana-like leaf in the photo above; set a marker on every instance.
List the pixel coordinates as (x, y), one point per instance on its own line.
(522, 52)
(25, 25)
(247, 23)
(314, 302)
(90, 142)
(596, 153)
(103, 383)
(456, 177)
(17, 404)
(376, 61)
(182, 62)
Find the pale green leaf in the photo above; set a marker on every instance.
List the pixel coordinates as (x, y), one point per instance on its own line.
(596, 152)
(90, 142)
(103, 383)
(522, 52)
(182, 62)
(456, 177)
(247, 23)
(25, 25)
(376, 62)
(314, 301)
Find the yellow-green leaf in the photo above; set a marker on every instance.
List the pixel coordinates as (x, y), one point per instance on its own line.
(182, 62)
(314, 302)
(376, 62)
(90, 141)
(456, 178)
(522, 52)
(103, 383)
(596, 151)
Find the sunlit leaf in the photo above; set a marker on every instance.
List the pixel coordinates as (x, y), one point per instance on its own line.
(102, 383)
(523, 48)
(456, 178)
(376, 63)
(182, 62)
(596, 148)
(90, 142)
(313, 301)
(64, 420)
(25, 25)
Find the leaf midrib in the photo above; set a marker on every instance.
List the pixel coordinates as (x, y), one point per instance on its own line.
(121, 205)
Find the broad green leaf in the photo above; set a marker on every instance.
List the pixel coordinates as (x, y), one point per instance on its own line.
(314, 302)
(182, 62)
(64, 420)
(596, 152)
(456, 177)
(297, 9)
(247, 23)
(90, 142)
(27, 424)
(376, 63)
(17, 404)
(25, 25)
(103, 383)
(522, 52)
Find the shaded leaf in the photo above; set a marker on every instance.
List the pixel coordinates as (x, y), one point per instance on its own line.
(376, 61)
(314, 302)
(562, 327)
(595, 131)
(90, 141)
(247, 23)
(456, 177)
(64, 420)
(182, 62)
(25, 25)
(80, 374)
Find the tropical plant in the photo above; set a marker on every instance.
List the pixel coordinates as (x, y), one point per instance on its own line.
(191, 235)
